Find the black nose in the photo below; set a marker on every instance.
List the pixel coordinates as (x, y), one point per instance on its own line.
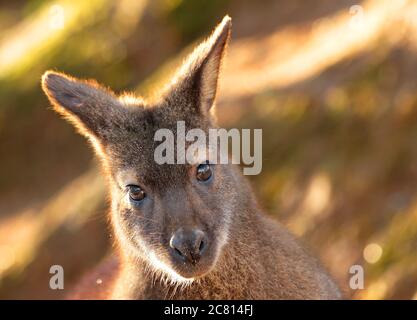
(188, 245)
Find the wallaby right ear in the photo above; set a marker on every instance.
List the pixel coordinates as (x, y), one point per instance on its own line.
(91, 108)
(197, 78)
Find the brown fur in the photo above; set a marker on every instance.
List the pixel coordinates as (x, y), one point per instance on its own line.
(249, 255)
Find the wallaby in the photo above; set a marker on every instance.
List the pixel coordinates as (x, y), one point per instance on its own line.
(182, 231)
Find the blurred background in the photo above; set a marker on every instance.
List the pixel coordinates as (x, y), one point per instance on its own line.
(331, 83)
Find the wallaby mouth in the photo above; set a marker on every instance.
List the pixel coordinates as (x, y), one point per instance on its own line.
(192, 271)
(182, 271)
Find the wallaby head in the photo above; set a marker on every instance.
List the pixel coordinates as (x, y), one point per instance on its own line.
(176, 217)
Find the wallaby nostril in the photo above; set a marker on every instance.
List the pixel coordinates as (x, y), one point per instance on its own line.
(176, 244)
(201, 247)
(178, 252)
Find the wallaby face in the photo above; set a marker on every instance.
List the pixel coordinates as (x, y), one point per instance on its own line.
(175, 217)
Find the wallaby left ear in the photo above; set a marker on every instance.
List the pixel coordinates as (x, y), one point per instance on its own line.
(91, 108)
(197, 78)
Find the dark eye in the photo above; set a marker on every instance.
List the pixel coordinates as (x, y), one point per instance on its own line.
(204, 172)
(136, 193)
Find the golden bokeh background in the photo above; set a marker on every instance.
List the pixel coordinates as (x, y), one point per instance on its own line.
(333, 85)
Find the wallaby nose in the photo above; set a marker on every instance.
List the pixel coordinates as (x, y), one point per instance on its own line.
(188, 245)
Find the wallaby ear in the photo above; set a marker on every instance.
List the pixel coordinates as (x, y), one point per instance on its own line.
(197, 78)
(91, 108)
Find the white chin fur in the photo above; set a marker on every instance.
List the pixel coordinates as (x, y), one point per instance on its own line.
(173, 276)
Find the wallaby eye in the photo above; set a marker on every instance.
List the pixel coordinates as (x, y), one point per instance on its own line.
(136, 193)
(204, 171)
